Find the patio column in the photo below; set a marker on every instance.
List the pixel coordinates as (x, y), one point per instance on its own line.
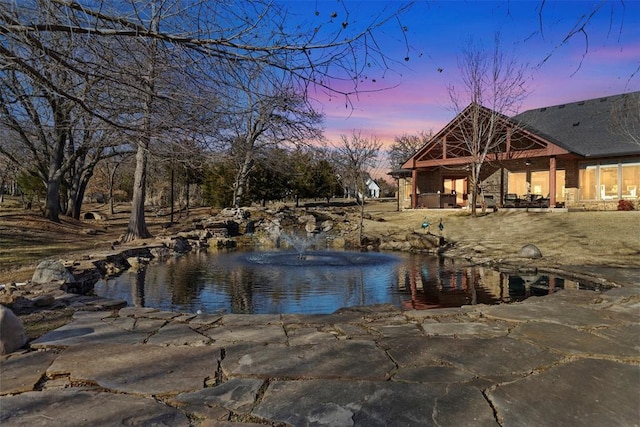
(414, 188)
(552, 181)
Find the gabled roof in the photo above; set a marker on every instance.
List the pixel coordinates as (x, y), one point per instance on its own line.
(449, 146)
(590, 128)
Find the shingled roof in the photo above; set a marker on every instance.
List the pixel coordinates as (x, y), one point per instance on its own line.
(589, 128)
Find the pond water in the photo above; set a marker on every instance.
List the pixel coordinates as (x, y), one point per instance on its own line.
(319, 283)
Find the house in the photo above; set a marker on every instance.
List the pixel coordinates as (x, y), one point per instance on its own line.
(373, 188)
(584, 154)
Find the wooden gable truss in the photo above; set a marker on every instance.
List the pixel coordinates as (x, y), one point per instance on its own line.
(448, 147)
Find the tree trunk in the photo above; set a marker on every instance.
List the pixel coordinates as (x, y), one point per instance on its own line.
(112, 175)
(137, 228)
(76, 202)
(171, 191)
(239, 187)
(186, 190)
(52, 202)
(361, 228)
(474, 188)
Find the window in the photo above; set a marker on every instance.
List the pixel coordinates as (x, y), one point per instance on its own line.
(517, 183)
(630, 188)
(539, 183)
(610, 181)
(588, 182)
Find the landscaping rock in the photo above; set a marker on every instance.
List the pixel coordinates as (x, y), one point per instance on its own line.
(12, 334)
(530, 251)
(180, 245)
(51, 271)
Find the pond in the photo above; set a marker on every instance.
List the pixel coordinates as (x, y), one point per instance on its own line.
(321, 282)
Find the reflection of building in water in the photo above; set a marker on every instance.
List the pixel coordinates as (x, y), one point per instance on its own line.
(522, 287)
(432, 282)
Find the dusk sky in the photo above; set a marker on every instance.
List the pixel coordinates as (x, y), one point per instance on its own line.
(437, 31)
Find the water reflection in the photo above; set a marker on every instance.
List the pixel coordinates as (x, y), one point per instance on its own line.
(231, 283)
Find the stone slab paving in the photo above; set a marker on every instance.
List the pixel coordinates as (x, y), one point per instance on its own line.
(339, 359)
(81, 408)
(178, 334)
(465, 330)
(569, 341)
(571, 358)
(586, 392)
(88, 328)
(365, 403)
(21, 372)
(138, 369)
(237, 394)
(248, 333)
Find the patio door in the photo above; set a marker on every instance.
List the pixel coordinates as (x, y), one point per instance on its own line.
(457, 184)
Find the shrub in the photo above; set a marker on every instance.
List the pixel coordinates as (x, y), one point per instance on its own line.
(625, 205)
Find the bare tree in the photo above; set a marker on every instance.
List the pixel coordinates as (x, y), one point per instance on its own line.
(492, 87)
(42, 122)
(274, 115)
(406, 145)
(356, 155)
(203, 39)
(626, 117)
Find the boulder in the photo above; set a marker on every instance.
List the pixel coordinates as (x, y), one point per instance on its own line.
(326, 226)
(530, 251)
(236, 213)
(12, 335)
(180, 245)
(51, 271)
(44, 300)
(422, 242)
(310, 227)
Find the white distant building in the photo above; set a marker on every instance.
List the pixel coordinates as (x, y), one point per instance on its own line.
(372, 188)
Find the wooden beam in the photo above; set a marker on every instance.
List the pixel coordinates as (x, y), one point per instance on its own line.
(444, 146)
(552, 181)
(414, 188)
(524, 154)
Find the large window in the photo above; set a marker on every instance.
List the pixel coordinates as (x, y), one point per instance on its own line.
(539, 183)
(588, 182)
(630, 183)
(613, 181)
(517, 183)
